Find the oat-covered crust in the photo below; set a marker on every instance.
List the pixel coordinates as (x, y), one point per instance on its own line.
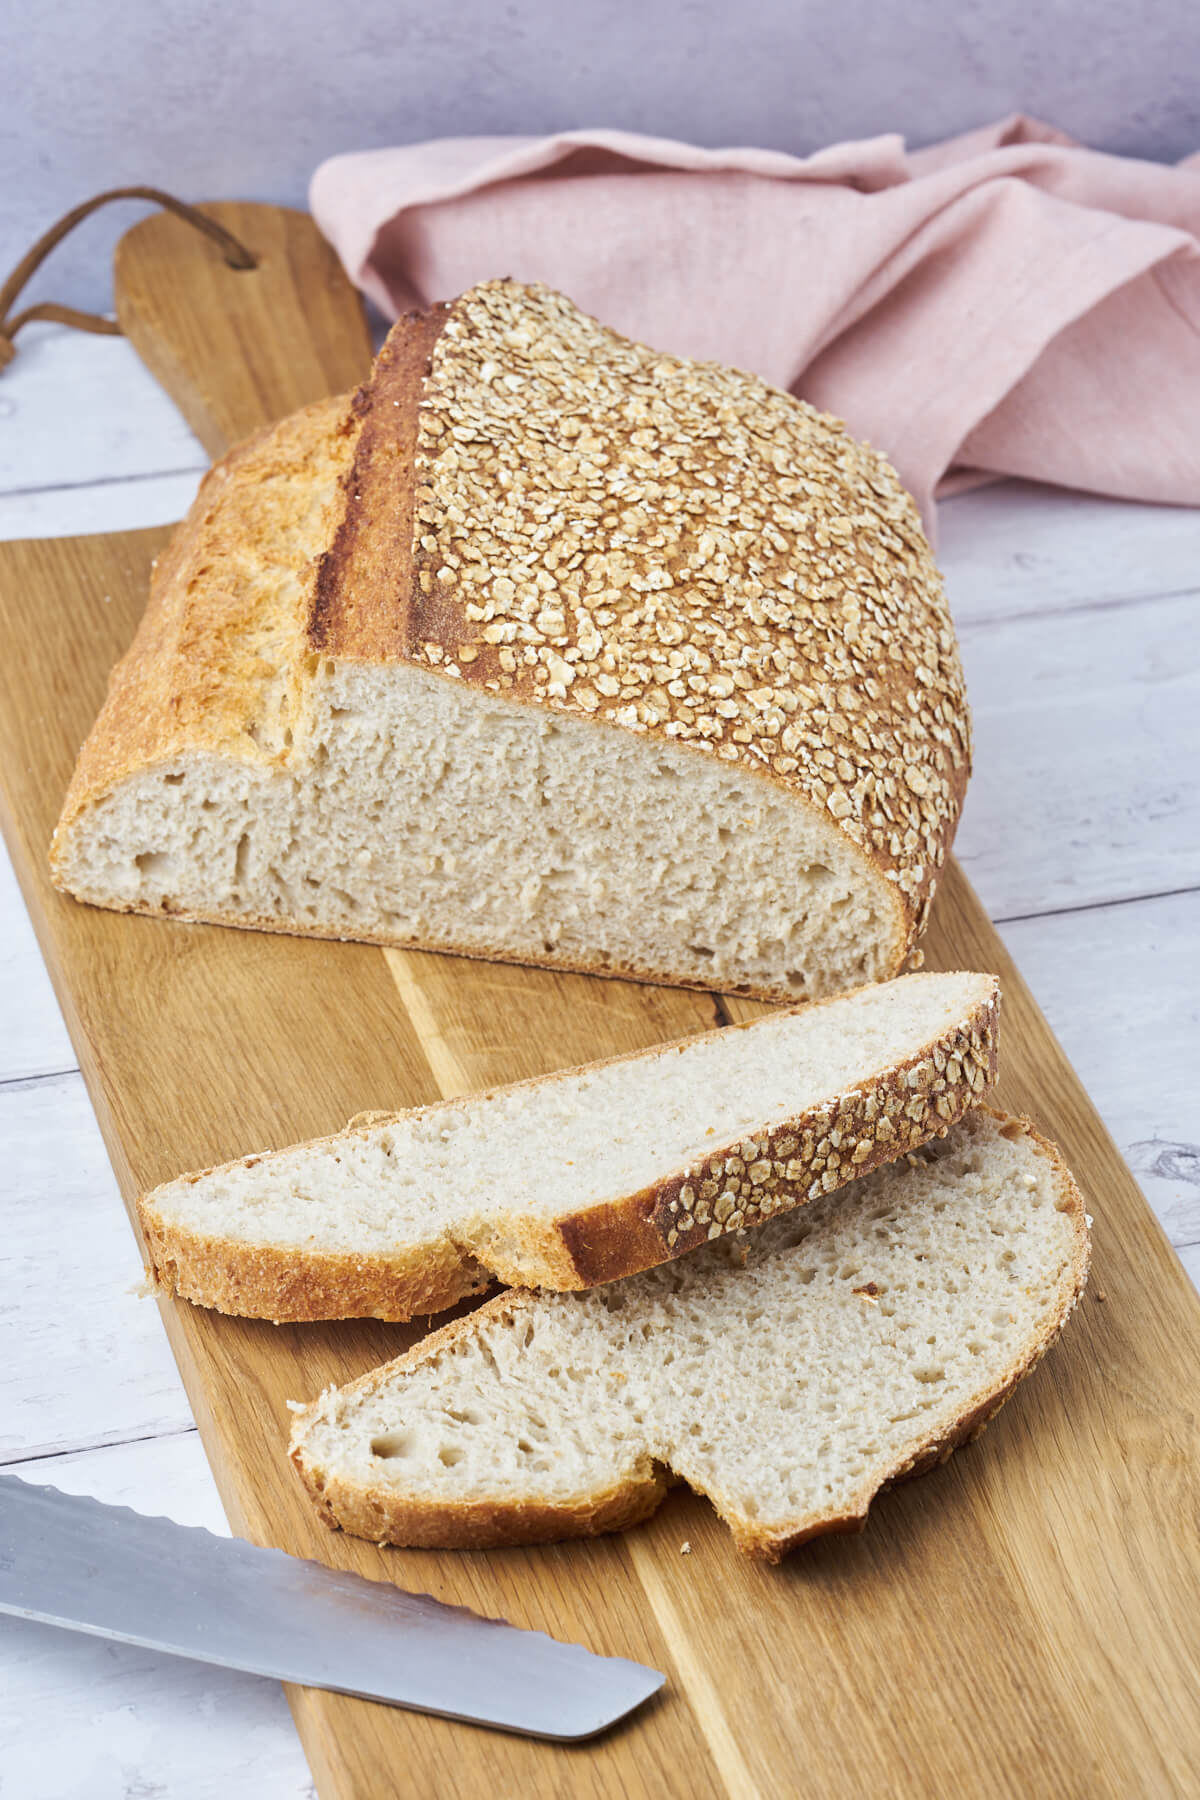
(732, 1186)
(742, 1184)
(666, 546)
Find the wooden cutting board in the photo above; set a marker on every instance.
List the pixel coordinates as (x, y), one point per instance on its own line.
(1023, 1621)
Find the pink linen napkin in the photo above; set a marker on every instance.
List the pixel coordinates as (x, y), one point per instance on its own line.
(1005, 302)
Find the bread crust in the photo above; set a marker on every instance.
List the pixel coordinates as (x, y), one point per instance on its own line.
(363, 594)
(265, 1281)
(873, 1122)
(192, 679)
(379, 1512)
(764, 1546)
(192, 682)
(484, 1524)
(383, 597)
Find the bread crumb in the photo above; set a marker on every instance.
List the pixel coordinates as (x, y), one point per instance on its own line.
(692, 1332)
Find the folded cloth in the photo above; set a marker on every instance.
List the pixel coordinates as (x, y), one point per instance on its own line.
(1005, 302)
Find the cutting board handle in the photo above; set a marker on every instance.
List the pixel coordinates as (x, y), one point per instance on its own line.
(237, 349)
(10, 323)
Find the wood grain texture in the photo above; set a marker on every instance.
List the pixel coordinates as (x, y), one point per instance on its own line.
(33, 1039)
(118, 424)
(127, 505)
(1020, 1621)
(1132, 696)
(1072, 552)
(237, 348)
(109, 1328)
(1120, 986)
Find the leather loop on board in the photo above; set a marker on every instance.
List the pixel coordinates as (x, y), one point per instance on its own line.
(236, 256)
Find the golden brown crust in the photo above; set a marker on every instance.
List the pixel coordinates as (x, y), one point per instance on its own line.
(804, 639)
(264, 1281)
(392, 1517)
(740, 1185)
(193, 678)
(734, 1185)
(479, 1525)
(764, 1546)
(389, 1518)
(362, 598)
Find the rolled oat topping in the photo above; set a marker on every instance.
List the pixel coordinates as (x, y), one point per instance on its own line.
(678, 548)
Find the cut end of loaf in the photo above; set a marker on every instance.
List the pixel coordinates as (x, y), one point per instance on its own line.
(790, 1374)
(409, 812)
(668, 742)
(585, 1176)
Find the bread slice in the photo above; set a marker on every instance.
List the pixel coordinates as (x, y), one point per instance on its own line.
(582, 1176)
(544, 647)
(788, 1373)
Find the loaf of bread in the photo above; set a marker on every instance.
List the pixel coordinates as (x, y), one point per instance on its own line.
(788, 1373)
(546, 647)
(585, 1175)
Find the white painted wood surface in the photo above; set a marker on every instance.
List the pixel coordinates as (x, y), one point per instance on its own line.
(1080, 621)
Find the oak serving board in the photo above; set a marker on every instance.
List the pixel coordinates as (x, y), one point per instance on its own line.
(1022, 1621)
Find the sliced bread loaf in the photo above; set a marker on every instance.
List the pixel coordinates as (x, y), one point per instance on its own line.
(545, 647)
(789, 1373)
(585, 1175)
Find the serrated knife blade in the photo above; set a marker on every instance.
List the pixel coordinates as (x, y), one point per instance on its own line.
(107, 1570)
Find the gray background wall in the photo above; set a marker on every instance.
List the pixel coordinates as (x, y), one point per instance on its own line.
(223, 98)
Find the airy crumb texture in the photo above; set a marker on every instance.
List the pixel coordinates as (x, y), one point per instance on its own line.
(546, 647)
(788, 1373)
(584, 1175)
(733, 569)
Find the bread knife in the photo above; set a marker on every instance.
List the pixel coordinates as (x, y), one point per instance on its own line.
(113, 1572)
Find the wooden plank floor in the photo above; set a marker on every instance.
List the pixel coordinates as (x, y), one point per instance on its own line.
(40, 1062)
